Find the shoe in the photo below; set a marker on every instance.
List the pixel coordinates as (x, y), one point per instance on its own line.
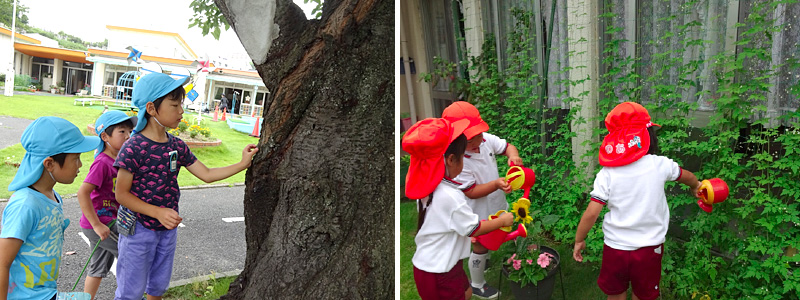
(486, 292)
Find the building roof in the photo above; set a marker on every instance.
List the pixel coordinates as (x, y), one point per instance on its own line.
(172, 34)
(52, 53)
(19, 36)
(124, 55)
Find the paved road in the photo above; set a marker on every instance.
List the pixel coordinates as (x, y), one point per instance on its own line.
(206, 243)
(11, 130)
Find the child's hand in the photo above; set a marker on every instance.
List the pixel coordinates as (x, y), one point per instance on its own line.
(169, 217)
(501, 184)
(102, 231)
(507, 219)
(576, 252)
(514, 161)
(696, 190)
(248, 152)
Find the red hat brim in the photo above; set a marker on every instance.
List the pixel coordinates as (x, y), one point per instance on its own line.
(476, 129)
(424, 174)
(624, 146)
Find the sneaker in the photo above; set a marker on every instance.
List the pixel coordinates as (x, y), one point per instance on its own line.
(486, 292)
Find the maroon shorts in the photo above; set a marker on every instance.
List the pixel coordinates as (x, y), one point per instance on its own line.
(444, 286)
(641, 268)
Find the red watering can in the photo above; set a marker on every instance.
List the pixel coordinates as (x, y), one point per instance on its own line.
(711, 191)
(520, 177)
(494, 239)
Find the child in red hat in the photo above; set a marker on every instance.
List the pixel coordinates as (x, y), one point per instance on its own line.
(484, 188)
(631, 184)
(446, 222)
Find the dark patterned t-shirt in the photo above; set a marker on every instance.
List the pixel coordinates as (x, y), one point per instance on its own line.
(155, 168)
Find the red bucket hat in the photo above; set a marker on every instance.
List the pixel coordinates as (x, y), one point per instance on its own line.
(427, 141)
(464, 110)
(627, 139)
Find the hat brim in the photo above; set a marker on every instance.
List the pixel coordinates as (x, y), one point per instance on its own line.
(459, 127)
(476, 129)
(100, 148)
(30, 169)
(142, 121)
(424, 174)
(620, 147)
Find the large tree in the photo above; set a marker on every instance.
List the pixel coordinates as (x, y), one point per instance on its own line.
(319, 200)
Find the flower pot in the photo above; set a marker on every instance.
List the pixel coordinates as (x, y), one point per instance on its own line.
(543, 290)
(405, 124)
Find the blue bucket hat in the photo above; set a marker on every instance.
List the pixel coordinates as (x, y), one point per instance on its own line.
(151, 87)
(109, 118)
(45, 137)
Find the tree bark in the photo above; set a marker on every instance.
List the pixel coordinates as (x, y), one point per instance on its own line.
(319, 199)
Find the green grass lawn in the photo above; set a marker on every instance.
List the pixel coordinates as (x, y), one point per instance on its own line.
(32, 107)
(579, 279)
(209, 289)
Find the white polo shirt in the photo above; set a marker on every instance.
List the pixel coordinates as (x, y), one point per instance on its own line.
(638, 212)
(444, 237)
(480, 168)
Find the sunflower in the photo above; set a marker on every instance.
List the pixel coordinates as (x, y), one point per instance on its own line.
(522, 210)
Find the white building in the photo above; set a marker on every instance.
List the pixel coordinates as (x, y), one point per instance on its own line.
(99, 70)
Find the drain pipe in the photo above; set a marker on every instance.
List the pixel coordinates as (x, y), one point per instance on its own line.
(407, 65)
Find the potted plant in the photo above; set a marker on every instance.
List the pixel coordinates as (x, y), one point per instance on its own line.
(529, 266)
(405, 121)
(53, 89)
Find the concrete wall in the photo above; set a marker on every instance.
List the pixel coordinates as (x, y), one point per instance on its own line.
(98, 75)
(584, 45)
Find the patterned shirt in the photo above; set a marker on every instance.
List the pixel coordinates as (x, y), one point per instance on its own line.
(39, 223)
(155, 168)
(103, 175)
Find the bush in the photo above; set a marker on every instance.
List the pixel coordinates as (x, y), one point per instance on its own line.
(746, 248)
(22, 80)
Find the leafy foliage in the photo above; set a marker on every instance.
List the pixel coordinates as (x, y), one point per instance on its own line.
(207, 17)
(747, 247)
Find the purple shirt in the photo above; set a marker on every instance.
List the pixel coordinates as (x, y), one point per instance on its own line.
(155, 169)
(103, 175)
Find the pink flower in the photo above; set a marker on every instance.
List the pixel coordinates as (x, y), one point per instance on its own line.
(511, 258)
(544, 259)
(517, 264)
(530, 261)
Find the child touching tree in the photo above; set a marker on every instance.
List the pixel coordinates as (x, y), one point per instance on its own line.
(147, 187)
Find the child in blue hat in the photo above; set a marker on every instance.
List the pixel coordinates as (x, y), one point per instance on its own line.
(96, 196)
(33, 220)
(147, 187)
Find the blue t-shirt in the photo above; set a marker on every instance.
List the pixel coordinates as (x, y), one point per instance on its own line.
(39, 222)
(155, 168)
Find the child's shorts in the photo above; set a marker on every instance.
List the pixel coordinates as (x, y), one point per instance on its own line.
(106, 252)
(444, 286)
(145, 262)
(641, 268)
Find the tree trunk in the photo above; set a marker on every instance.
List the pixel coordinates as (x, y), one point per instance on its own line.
(319, 199)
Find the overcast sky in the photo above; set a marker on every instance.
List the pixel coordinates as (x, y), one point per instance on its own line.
(87, 19)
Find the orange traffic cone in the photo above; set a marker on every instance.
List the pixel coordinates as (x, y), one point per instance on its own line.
(256, 131)
(216, 113)
(224, 110)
